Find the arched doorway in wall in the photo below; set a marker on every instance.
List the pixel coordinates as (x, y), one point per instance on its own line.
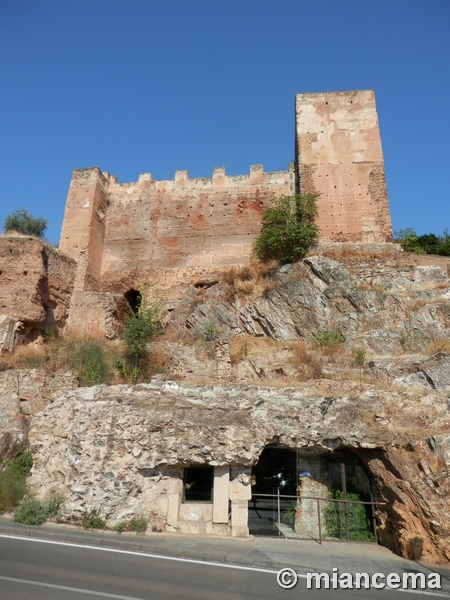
(311, 493)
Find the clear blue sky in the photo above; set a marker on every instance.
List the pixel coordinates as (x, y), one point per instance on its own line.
(153, 86)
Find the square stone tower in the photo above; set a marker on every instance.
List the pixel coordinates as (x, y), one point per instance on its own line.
(339, 154)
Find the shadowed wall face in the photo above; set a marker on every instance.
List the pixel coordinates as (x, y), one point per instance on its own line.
(339, 155)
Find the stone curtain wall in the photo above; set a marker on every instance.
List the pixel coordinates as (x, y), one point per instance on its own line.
(339, 154)
(165, 233)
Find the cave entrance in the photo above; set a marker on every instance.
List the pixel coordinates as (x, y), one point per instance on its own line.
(133, 298)
(311, 494)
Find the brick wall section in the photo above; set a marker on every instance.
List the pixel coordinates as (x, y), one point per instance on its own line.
(339, 155)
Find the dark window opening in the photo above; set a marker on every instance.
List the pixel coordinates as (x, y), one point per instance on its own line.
(198, 484)
(134, 299)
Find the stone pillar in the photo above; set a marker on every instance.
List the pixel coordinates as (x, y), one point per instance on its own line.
(239, 518)
(173, 509)
(240, 494)
(221, 494)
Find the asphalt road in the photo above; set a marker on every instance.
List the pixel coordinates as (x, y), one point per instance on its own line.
(39, 570)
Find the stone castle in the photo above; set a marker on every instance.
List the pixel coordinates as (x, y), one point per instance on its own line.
(117, 237)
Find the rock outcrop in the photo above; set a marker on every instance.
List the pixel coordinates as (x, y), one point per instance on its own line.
(121, 450)
(385, 305)
(23, 393)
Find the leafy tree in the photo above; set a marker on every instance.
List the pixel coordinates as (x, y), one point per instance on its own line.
(288, 228)
(24, 222)
(429, 243)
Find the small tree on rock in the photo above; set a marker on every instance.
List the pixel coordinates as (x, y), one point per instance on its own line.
(288, 228)
(138, 330)
(24, 222)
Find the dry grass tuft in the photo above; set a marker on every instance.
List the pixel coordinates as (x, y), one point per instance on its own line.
(355, 254)
(308, 362)
(247, 345)
(439, 345)
(251, 281)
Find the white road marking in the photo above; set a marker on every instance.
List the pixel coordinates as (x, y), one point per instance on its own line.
(147, 554)
(68, 589)
(185, 560)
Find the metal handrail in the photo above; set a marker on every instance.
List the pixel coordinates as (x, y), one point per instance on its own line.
(318, 499)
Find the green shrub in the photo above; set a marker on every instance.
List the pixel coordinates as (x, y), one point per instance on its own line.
(138, 330)
(288, 228)
(53, 505)
(13, 480)
(288, 516)
(139, 525)
(359, 356)
(120, 527)
(429, 243)
(211, 332)
(23, 221)
(89, 360)
(93, 521)
(323, 337)
(31, 511)
(360, 528)
(128, 373)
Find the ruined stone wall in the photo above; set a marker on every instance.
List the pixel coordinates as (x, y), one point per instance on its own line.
(36, 283)
(164, 233)
(339, 155)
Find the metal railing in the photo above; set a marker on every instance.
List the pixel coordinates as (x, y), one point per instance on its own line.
(280, 497)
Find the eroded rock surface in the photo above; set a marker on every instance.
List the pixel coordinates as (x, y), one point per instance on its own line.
(121, 450)
(384, 307)
(23, 393)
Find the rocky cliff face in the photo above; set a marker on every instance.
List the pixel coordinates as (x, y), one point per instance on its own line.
(121, 450)
(23, 393)
(386, 304)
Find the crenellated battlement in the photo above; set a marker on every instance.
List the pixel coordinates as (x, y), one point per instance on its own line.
(218, 173)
